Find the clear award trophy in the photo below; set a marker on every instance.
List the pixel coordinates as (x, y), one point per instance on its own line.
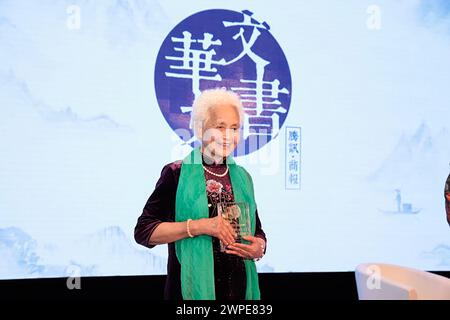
(238, 216)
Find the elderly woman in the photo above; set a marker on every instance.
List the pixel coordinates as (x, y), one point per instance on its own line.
(182, 210)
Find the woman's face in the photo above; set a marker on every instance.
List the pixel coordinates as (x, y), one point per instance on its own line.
(221, 131)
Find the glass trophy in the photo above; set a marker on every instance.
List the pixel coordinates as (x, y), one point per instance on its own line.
(238, 216)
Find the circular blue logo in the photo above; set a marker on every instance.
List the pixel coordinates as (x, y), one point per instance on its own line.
(224, 48)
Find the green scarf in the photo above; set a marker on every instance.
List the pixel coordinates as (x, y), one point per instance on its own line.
(196, 254)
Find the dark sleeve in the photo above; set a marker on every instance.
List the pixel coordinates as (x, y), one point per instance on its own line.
(259, 231)
(447, 202)
(160, 207)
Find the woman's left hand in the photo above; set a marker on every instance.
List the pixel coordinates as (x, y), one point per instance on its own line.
(254, 250)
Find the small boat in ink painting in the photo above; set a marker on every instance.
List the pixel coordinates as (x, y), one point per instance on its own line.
(402, 208)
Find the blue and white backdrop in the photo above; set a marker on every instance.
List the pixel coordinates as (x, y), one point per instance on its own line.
(346, 134)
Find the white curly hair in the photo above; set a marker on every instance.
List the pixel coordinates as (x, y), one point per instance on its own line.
(207, 100)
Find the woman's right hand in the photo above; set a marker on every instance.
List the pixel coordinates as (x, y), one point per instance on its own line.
(221, 229)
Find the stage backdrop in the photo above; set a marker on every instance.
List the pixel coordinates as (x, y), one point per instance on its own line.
(346, 132)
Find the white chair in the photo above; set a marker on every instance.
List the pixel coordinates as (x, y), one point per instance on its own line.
(380, 281)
